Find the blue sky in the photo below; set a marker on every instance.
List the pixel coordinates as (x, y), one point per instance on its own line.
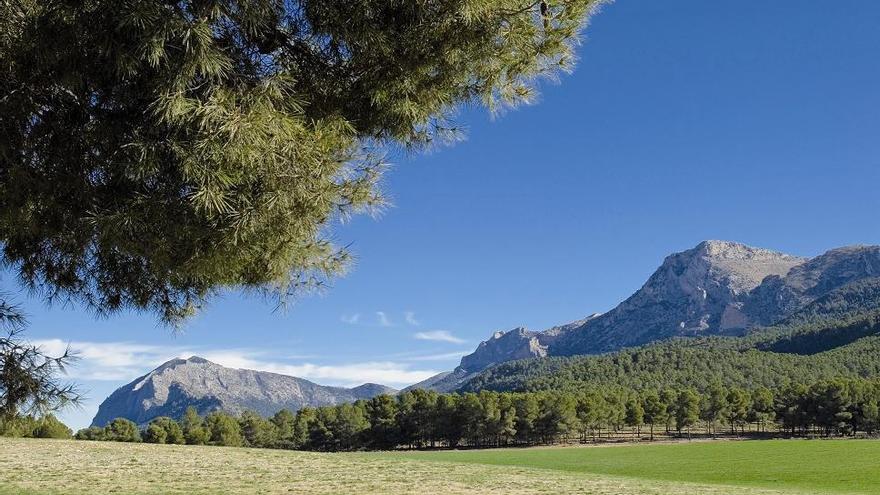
(684, 120)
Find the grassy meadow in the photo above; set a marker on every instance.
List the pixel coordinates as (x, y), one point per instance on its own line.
(30, 466)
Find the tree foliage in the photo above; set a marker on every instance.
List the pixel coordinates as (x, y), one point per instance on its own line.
(425, 419)
(814, 349)
(153, 152)
(30, 379)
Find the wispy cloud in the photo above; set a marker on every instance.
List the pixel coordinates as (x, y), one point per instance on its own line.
(383, 319)
(351, 319)
(125, 361)
(384, 372)
(440, 336)
(410, 318)
(111, 360)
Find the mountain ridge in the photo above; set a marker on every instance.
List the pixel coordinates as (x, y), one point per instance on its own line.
(714, 288)
(179, 383)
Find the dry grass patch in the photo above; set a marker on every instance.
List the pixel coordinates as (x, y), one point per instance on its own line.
(29, 466)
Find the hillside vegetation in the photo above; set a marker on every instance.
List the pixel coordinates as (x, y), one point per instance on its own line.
(834, 337)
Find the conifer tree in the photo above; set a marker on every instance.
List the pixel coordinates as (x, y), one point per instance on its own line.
(153, 152)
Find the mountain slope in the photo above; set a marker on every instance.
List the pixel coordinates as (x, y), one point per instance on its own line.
(847, 348)
(172, 387)
(715, 288)
(701, 291)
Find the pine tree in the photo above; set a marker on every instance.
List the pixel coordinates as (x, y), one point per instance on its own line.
(655, 410)
(194, 430)
(739, 404)
(687, 410)
(285, 422)
(635, 414)
(153, 152)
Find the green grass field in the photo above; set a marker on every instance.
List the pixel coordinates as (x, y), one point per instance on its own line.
(810, 466)
(30, 466)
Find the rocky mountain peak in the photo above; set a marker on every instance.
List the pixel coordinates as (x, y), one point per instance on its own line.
(518, 343)
(180, 383)
(714, 288)
(735, 266)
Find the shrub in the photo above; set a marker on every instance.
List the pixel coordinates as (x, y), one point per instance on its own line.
(193, 426)
(154, 434)
(224, 429)
(50, 427)
(18, 426)
(92, 433)
(173, 431)
(122, 430)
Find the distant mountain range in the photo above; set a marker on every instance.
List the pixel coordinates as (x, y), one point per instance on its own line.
(715, 288)
(172, 387)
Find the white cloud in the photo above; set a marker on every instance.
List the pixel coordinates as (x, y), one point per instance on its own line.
(383, 372)
(125, 361)
(106, 365)
(351, 319)
(111, 360)
(383, 319)
(410, 317)
(439, 335)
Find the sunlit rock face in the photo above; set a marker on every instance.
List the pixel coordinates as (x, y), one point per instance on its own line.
(180, 383)
(715, 288)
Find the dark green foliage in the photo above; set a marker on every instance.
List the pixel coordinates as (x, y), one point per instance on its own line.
(714, 407)
(526, 410)
(30, 427)
(558, 417)
(851, 299)
(154, 434)
(18, 426)
(304, 419)
(225, 430)
(348, 426)
(817, 336)
(813, 351)
(122, 430)
(415, 410)
(29, 378)
(153, 152)
(193, 426)
(687, 410)
(165, 428)
(448, 424)
(762, 410)
(635, 413)
(654, 410)
(496, 419)
(738, 404)
(50, 427)
(383, 432)
(285, 423)
(257, 431)
(92, 433)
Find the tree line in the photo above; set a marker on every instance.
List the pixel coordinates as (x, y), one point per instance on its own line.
(426, 419)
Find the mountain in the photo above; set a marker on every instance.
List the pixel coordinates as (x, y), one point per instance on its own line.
(715, 288)
(845, 349)
(172, 387)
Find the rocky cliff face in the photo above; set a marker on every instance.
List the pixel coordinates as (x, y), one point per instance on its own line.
(779, 296)
(715, 288)
(171, 388)
(701, 291)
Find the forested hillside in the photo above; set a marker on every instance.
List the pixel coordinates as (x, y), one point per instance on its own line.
(835, 337)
